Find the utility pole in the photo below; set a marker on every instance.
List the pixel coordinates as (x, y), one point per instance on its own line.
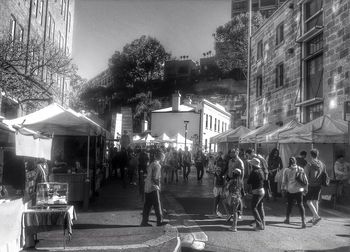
(248, 61)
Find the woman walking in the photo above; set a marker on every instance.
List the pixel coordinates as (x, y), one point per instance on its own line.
(274, 166)
(256, 180)
(294, 190)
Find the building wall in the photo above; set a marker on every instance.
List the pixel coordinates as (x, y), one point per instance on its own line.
(284, 103)
(215, 128)
(336, 82)
(173, 122)
(36, 24)
(275, 104)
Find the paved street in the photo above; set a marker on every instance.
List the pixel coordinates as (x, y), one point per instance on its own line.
(190, 205)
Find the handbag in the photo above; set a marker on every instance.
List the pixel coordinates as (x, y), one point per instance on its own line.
(300, 177)
(325, 180)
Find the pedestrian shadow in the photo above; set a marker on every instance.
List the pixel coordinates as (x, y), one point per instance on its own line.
(343, 235)
(280, 224)
(339, 249)
(101, 226)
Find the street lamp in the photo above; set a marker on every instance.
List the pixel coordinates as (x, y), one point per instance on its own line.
(186, 122)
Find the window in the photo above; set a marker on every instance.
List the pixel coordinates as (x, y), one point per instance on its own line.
(260, 50)
(206, 143)
(315, 45)
(210, 122)
(64, 9)
(314, 67)
(279, 75)
(50, 26)
(279, 33)
(265, 3)
(20, 33)
(206, 121)
(62, 6)
(215, 124)
(59, 40)
(53, 29)
(35, 8)
(41, 11)
(313, 14)
(69, 21)
(259, 86)
(314, 72)
(314, 111)
(12, 28)
(218, 125)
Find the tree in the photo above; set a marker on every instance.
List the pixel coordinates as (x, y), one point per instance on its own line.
(231, 42)
(145, 105)
(140, 62)
(28, 71)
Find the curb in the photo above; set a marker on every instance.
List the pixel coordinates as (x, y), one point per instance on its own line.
(169, 234)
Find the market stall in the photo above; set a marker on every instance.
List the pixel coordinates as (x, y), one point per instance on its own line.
(17, 178)
(77, 156)
(328, 135)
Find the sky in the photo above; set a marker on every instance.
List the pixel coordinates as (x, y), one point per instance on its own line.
(184, 27)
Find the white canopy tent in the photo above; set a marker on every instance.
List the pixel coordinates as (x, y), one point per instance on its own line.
(164, 138)
(179, 142)
(252, 136)
(56, 120)
(273, 136)
(145, 140)
(321, 130)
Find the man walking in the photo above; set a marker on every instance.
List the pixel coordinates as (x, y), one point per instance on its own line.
(186, 166)
(314, 172)
(152, 190)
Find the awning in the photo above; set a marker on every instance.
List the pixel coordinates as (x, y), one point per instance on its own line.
(251, 137)
(54, 119)
(272, 137)
(231, 135)
(215, 139)
(27, 142)
(321, 130)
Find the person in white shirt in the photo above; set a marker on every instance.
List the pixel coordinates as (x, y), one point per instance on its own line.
(152, 190)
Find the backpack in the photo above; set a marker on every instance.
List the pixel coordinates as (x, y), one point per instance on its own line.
(325, 180)
(300, 177)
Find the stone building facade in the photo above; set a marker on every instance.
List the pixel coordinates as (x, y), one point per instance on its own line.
(50, 20)
(266, 7)
(300, 63)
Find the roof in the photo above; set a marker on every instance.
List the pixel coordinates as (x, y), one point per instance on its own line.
(183, 108)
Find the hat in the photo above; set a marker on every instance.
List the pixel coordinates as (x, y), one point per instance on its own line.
(255, 162)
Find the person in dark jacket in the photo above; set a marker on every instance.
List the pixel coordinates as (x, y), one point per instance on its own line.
(274, 165)
(256, 180)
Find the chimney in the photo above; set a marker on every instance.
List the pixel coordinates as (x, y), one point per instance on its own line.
(176, 101)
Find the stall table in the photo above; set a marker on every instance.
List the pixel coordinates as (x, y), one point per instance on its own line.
(47, 218)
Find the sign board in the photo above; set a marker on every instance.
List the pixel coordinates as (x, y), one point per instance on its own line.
(347, 111)
(127, 120)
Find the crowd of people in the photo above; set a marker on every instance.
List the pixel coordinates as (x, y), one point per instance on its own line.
(235, 174)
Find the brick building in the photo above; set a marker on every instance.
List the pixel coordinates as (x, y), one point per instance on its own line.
(50, 20)
(300, 63)
(266, 7)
